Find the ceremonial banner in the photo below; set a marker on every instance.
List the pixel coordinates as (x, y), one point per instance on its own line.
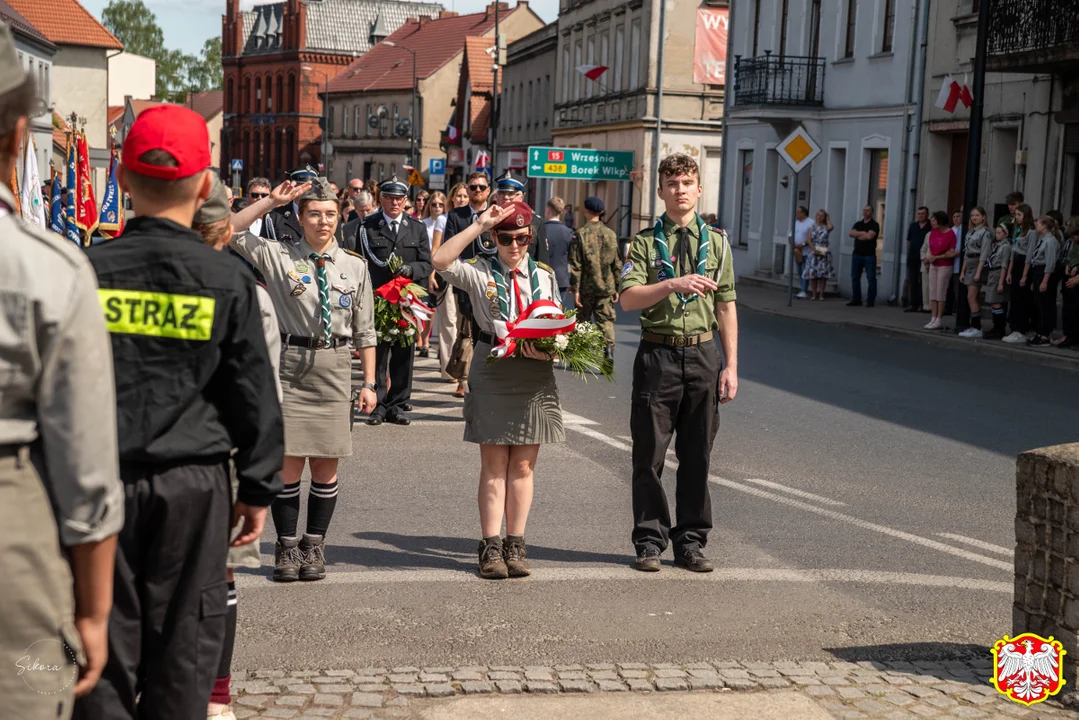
(85, 205)
(71, 230)
(33, 205)
(710, 56)
(56, 207)
(112, 203)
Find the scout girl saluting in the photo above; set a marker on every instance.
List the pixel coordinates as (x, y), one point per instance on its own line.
(324, 300)
(997, 291)
(512, 407)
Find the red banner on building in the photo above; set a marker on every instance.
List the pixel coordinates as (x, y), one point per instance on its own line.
(710, 56)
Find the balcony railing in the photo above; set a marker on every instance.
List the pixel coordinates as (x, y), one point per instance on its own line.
(778, 80)
(1033, 35)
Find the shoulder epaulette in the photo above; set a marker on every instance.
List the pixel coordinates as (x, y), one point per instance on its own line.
(542, 266)
(472, 261)
(353, 253)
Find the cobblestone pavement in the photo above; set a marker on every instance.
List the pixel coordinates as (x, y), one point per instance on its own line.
(896, 690)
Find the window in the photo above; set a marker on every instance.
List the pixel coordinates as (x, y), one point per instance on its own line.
(280, 93)
(229, 88)
(547, 98)
(565, 73)
(292, 100)
(269, 94)
(346, 124)
(619, 56)
(576, 75)
(604, 47)
(783, 15)
(247, 97)
(889, 26)
(356, 121)
(367, 121)
(591, 55)
(635, 54)
(746, 205)
(878, 190)
(852, 18)
(258, 95)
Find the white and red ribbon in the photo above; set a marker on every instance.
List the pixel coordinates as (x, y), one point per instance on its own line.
(541, 319)
(413, 311)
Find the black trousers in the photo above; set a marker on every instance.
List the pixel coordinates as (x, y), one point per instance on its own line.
(674, 390)
(1045, 302)
(914, 276)
(1070, 321)
(1021, 308)
(170, 593)
(395, 362)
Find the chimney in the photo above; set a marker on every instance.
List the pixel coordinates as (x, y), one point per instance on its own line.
(447, 14)
(301, 25)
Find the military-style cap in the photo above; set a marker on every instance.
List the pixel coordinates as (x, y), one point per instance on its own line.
(320, 191)
(11, 73)
(507, 183)
(594, 205)
(519, 217)
(216, 207)
(393, 186)
(302, 175)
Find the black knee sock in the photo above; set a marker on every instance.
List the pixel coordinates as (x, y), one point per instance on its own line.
(225, 667)
(976, 319)
(286, 511)
(998, 320)
(320, 504)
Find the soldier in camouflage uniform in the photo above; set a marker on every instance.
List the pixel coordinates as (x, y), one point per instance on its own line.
(594, 271)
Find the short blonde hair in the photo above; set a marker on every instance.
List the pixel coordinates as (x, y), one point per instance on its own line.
(557, 205)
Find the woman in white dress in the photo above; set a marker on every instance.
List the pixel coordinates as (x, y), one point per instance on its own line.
(434, 219)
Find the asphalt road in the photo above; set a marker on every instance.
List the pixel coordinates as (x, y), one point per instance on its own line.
(863, 493)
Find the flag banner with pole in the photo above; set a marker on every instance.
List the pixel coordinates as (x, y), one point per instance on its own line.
(33, 205)
(112, 203)
(592, 72)
(949, 94)
(56, 207)
(710, 50)
(71, 230)
(85, 205)
(451, 133)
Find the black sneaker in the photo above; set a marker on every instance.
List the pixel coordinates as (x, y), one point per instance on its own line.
(514, 552)
(854, 303)
(375, 420)
(287, 560)
(313, 550)
(492, 564)
(693, 559)
(1038, 341)
(648, 560)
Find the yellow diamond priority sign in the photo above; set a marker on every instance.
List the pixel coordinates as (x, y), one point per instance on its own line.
(798, 149)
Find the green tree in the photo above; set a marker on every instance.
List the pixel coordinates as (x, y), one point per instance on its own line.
(135, 26)
(205, 72)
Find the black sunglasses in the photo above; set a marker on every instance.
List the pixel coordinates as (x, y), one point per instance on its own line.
(477, 188)
(505, 239)
(259, 196)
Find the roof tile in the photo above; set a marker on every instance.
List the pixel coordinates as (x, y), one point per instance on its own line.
(207, 104)
(66, 22)
(20, 24)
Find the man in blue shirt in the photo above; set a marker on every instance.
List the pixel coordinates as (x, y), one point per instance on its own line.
(559, 239)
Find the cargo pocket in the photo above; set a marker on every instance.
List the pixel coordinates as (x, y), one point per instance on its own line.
(213, 606)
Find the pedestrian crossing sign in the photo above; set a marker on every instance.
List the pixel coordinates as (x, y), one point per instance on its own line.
(415, 178)
(798, 149)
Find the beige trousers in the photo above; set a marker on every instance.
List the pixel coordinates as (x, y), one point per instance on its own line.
(446, 330)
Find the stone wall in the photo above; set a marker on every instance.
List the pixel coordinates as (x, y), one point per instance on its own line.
(1047, 549)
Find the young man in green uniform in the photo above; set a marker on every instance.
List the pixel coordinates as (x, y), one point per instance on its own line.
(680, 275)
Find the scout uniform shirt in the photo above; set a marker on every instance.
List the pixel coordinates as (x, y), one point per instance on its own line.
(669, 316)
(475, 277)
(996, 261)
(292, 282)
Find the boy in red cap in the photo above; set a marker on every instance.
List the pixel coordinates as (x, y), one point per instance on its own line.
(193, 381)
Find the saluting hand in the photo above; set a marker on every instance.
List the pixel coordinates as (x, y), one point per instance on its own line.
(368, 401)
(254, 520)
(492, 216)
(695, 284)
(287, 192)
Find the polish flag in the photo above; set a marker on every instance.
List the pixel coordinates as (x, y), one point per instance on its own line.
(451, 132)
(965, 96)
(949, 94)
(592, 72)
(482, 160)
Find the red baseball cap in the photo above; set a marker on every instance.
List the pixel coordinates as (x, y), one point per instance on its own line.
(519, 217)
(177, 130)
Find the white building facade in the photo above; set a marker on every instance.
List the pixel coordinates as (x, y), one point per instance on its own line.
(845, 70)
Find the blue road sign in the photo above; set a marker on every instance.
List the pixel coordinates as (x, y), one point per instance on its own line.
(238, 165)
(437, 166)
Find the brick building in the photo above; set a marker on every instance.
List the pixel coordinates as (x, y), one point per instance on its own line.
(277, 57)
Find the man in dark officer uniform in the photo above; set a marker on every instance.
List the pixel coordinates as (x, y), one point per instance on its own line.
(389, 237)
(681, 277)
(284, 222)
(193, 381)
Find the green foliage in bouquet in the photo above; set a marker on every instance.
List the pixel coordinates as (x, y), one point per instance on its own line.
(390, 325)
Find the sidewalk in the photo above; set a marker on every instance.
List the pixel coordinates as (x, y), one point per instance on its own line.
(893, 321)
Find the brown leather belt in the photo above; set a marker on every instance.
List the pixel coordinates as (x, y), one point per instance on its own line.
(677, 340)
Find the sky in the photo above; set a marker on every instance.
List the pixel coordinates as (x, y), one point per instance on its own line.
(187, 24)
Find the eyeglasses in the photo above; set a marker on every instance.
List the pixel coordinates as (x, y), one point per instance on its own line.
(477, 188)
(505, 239)
(321, 217)
(259, 196)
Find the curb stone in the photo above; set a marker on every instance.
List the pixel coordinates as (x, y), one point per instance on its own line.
(845, 689)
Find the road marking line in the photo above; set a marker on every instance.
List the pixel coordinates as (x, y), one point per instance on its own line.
(981, 545)
(543, 573)
(794, 491)
(569, 418)
(842, 517)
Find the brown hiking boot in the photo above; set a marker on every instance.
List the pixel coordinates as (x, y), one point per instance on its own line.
(492, 566)
(513, 552)
(287, 560)
(313, 550)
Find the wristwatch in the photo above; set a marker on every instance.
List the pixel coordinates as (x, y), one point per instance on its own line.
(371, 386)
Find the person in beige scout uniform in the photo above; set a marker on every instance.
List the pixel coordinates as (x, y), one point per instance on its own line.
(324, 301)
(512, 407)
(60, 491)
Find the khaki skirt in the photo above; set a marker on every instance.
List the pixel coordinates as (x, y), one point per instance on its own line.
(316, 387)
(972, 267)
(513, 401)
(991, 294)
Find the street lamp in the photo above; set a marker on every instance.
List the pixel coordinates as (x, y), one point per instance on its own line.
(325, 117)
(412, 109)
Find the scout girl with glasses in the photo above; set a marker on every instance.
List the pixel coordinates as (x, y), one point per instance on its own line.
(513, 405)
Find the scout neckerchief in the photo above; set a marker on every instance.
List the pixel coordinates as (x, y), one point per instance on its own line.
(664, 252)
(323, 295)
(503, 289)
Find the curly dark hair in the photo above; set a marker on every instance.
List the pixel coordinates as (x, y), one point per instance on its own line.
(678, 164)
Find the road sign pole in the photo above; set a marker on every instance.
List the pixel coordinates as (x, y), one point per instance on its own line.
(794, 226)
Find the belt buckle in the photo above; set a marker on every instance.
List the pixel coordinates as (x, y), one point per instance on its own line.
(679, 340)
(320, 344)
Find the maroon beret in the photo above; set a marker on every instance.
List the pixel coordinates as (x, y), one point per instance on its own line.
(519, 217)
